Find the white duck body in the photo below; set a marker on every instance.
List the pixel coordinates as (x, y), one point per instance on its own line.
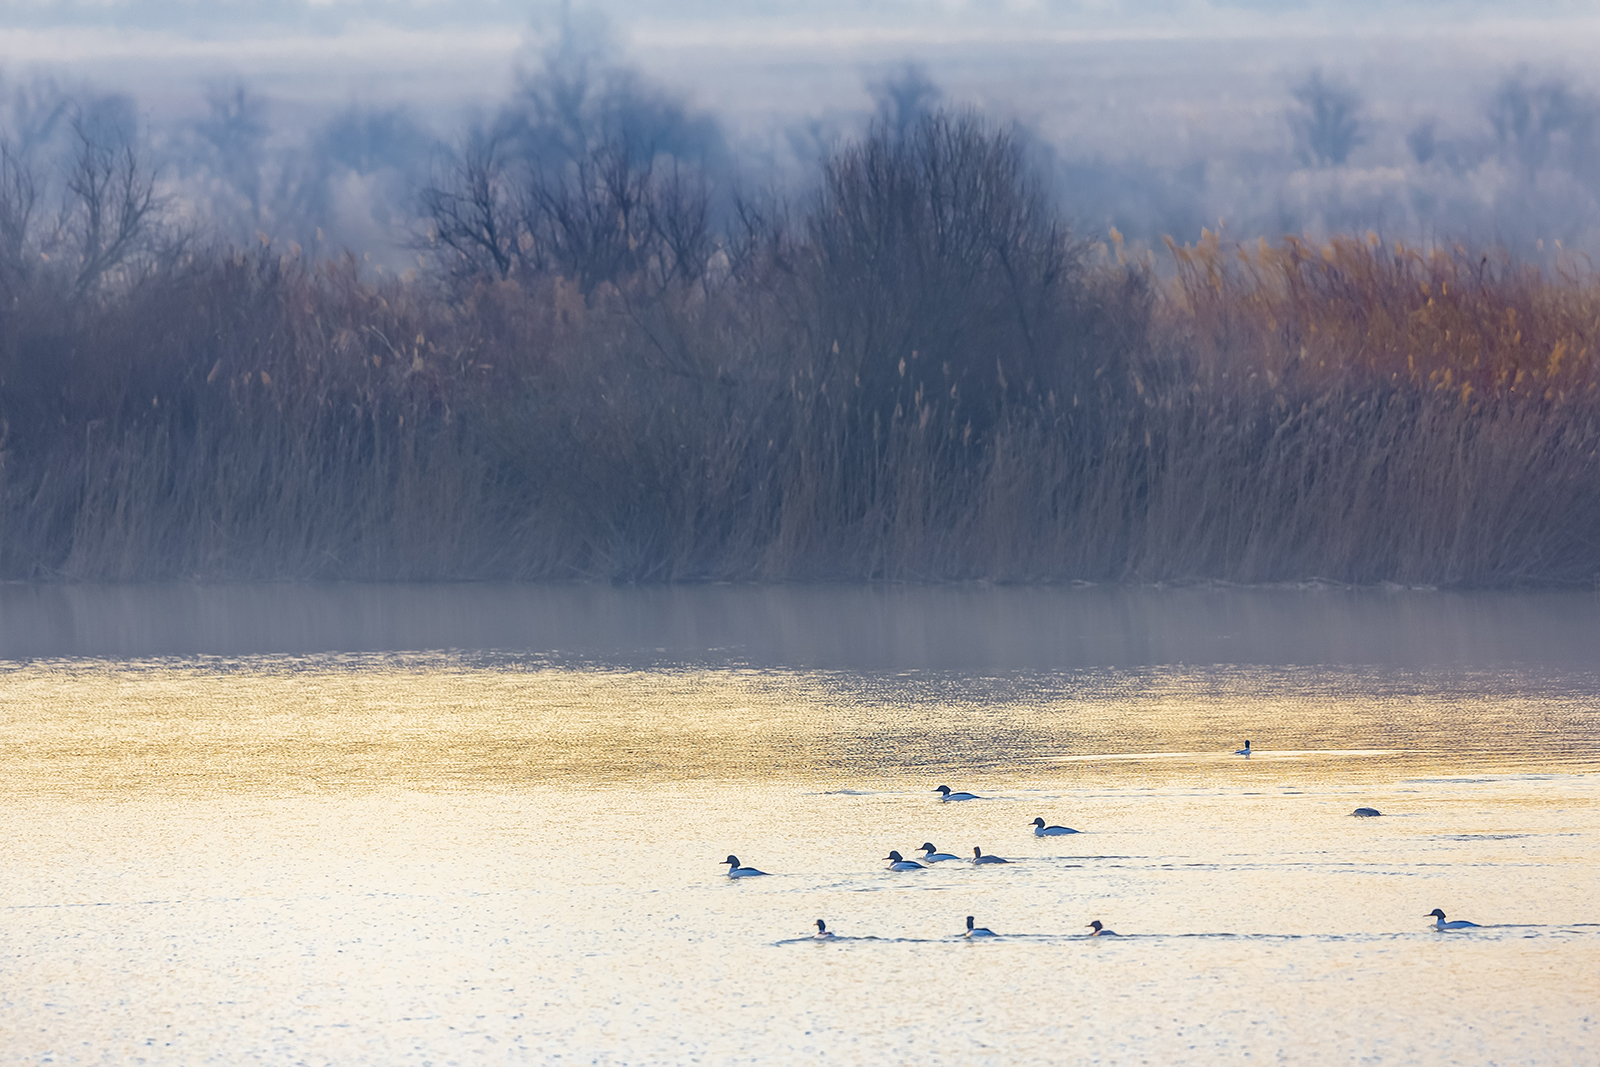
(978, 931)
(898, 862)
(946, 795)
(933, 855)
(738, 870)
(1041, 830)
(978, 857)
(1439, 924)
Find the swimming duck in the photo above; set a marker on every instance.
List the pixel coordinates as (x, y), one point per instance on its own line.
(933, 855)
(736, 870)
(898, 862)
(823, 933)
(1101, 931)
(979, 857)
(978, 931)
(1439, 924)
(1041, 830)
(1245, 751)
(1366, 813)
(945, 794)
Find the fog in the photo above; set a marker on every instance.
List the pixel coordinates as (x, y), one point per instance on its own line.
(825, 627)
(322, 123)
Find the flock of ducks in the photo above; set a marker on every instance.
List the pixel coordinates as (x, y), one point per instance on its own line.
(931, 855)
(1098, 930)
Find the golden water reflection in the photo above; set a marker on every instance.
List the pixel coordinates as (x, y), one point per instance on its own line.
(353, 723)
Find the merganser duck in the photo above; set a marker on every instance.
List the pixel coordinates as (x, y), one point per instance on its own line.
(979, 857)
(898, 862)
(1366, 813)
(1100, 931)
(1041, 830)
(1245, 751)
(978, 931)
(823, 933)
(945, 794)
(735, 870)
(1439, 924)
(933, 855)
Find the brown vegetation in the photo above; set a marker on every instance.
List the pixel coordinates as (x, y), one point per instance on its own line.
(918, 374)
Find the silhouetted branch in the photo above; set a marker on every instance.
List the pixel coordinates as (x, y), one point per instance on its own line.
(111, 206)
(470, 213)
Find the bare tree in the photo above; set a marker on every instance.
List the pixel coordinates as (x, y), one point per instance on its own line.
(472, 219)
(111, 205)
(1327, 123)
(236, 127)
(941, 270)
(18, 199)
(680, 216)
(1535, 122)
(903, 98)
(581, 98)
(1423, 140)
(605, 217)
(36, 114)
(591, 221)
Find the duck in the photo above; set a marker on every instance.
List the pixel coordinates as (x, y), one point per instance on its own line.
(945, 794)
(823, 933)
(933, 855)
(1041, 830)
(1100, 930)
(898, 862)
(978, 857)
(1366, 813)
(1439, 924)
(978, 931)
(738, 870)
(1245, 751)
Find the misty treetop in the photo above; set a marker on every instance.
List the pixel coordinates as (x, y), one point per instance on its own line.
(1509, 157)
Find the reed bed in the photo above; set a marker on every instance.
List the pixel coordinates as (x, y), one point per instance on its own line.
(881, 385)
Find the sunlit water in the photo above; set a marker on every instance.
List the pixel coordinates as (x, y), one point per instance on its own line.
(336, 857)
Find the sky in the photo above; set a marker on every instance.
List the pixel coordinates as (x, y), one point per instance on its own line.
(754, 63)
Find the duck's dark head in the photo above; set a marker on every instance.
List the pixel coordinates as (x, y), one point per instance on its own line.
(896, 857)
(1435, 914)
(943, 790)
(733, 860)
(822, 927)
(927, 846)
(1038, 822)
(969, 922)
(1096, 926)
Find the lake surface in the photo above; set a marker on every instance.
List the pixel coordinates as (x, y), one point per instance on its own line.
(481, 824)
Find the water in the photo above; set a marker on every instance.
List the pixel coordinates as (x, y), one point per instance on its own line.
(482, 825)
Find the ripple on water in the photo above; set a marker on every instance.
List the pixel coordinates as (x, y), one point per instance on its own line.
(386, 859)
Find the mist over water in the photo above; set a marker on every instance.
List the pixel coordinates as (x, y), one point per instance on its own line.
(823, 627)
